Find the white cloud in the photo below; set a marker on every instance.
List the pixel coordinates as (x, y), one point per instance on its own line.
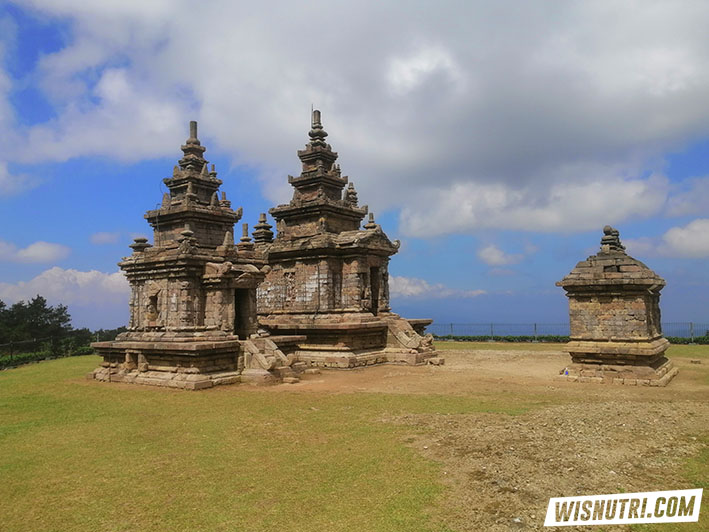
(70, 286)
(690, 241)
(408, 73)
(640, 247)
(412, 287)
(42, 252)
(103, 237)
(13, 183)
(564, 206)
(39, 251)
(494, 256)
(127, 123)
(692, 198)
(533, 116)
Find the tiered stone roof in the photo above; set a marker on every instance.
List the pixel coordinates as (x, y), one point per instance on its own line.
(320, 202)
(611, 266)
(193, 203)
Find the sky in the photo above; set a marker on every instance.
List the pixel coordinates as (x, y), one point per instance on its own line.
(494, 139)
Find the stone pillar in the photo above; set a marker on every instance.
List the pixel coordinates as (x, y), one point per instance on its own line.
(384, 305)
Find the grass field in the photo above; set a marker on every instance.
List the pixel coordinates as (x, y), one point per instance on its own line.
(76, 455)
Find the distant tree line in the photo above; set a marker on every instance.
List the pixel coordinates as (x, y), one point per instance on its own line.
(33, 330)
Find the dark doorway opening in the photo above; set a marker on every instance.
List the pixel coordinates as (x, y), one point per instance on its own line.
(374, 281)
(242, 317)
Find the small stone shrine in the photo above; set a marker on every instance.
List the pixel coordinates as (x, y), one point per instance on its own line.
(329, 277)
(193, 293)
(614, 311)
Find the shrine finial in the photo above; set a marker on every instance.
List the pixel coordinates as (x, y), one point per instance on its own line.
(611, 240)
(317, 134)
(193, 150)
(193, 133)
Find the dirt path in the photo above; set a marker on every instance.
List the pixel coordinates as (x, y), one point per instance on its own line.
(502, 470)
(576, 439)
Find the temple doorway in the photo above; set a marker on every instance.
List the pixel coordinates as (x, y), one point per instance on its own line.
(242, 304)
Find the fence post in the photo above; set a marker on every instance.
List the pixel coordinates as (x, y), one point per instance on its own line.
(691, 332)
(451, 329)
(535, 333)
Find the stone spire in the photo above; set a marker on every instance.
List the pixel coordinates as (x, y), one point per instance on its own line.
(262, 230)
(192, 200)
(193, 151)
(320, 202)
(228, 240)
(371, 224)
(317, 155)
(351, 195)
(317, 134)
(245, 243)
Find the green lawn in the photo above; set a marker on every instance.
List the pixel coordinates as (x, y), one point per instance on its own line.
(80, 455)
(77, 455)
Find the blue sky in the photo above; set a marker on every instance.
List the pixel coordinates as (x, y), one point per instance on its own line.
(495, 140)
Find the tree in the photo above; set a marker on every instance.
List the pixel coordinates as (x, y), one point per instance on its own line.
(33, 320)
(3, 323)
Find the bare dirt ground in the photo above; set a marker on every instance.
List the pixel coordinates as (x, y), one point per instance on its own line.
(570, 439)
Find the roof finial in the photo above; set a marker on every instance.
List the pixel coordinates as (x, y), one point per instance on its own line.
(262, 230)
(611, 240)
(317, 133)
(350, 195)
(228, 239)
(193, 150)
(371, 224)
(193, 133)
(245, 243)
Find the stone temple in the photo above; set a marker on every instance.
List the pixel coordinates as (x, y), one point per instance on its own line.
(329, 277)
(193, 293)
(614, 311)
(206, 311)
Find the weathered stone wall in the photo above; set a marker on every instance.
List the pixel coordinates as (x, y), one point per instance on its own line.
(167, 303)
(305, 286)
(304, 227)
(323, 285)
(602, 317)
(207, 234)
(219, 309)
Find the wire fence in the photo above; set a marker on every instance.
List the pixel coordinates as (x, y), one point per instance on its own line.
(677, 329)
(18, 353)
(50, 344)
